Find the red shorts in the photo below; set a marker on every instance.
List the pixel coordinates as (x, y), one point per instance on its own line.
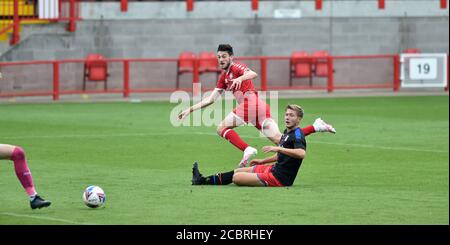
(264, 173)
(252, 110)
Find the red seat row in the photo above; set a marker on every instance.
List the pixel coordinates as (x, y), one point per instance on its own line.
(303, 64)
(207, 62)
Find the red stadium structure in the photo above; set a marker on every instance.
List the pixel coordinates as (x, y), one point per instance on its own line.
(314, 71)
(128, 76)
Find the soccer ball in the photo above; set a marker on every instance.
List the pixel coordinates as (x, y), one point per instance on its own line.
(94, 196)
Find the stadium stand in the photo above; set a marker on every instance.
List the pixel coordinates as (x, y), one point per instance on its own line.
(145, 45)
(300, 65)
(95, 70)
(320, 61)
(186, 64)
(208, 63)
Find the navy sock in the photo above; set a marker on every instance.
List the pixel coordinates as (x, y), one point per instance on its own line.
(220, 179)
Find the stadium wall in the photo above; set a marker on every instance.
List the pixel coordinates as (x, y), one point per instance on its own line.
(152, 36)
(162, 38)
(155, 29)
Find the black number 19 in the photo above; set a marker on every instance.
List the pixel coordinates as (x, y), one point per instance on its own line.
(424, 68)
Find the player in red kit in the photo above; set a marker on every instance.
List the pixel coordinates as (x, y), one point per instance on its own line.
(237, 78)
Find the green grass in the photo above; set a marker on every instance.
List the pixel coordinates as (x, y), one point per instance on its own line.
(388, 164)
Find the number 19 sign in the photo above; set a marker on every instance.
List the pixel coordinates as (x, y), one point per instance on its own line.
(423, 68)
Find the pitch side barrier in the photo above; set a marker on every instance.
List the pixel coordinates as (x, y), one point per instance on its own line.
(318, 4)
(127, 76)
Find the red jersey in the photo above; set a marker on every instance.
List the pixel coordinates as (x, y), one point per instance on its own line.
(235, 70)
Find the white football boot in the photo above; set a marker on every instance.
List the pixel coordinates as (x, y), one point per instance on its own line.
(248, 153)
(321, 126)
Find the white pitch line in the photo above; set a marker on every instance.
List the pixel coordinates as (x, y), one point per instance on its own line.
(211, 134)
(44, 218)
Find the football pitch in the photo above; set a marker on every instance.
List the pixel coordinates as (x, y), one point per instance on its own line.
(387, 164)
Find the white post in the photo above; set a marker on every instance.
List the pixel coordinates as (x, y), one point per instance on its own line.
(48, 9)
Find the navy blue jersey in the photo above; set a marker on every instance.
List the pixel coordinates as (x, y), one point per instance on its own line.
(286, 167)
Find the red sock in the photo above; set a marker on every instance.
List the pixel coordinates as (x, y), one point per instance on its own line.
(22, 171)
(234, 139)
(308, 130)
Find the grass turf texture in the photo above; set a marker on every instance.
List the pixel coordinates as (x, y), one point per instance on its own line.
(387, 164)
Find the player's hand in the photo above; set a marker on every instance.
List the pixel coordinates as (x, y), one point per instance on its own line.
(236, 85)
(267, 149)
(184, 114)
(0, 75)
(256, 162)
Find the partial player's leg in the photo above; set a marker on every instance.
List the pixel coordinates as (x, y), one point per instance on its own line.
(17, 155)
(270, 129)
(225, 129)
(321, 126)
(6, 151)
(247, 179)
(215, 179)
(241, 176)
(244, 170)
(23, 173)
(259, 175)
(318, 126)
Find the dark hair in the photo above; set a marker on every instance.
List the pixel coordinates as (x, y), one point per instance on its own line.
(225, 48)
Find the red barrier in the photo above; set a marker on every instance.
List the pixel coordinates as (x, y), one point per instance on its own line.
(55, 81)
(72, 23)
(16, 24)
(319, 4)
(446, 88)
(330, 75)
(128, 76)
(255, 5)
(190, 5)
(16, 12)
(124, 5)
(443, 4)
(396, 73)
(264, 74)
(381, 4)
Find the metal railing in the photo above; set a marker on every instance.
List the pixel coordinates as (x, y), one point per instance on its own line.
(126, 76)
(15, 12)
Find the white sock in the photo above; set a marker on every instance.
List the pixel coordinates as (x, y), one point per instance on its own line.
(32, 197)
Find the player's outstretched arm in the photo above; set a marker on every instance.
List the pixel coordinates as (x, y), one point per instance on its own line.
(295, 153)
(270, 159)
(202, 104)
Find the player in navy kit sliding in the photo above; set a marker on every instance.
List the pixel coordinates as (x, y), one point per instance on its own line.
(288, 159)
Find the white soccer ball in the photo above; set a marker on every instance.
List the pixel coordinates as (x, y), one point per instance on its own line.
(94, 196)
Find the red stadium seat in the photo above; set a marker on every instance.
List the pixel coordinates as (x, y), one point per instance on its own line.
(186, 62)
(321, 63)
(208, 63)
(300, 65)
(411, 51)
(96, 70)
